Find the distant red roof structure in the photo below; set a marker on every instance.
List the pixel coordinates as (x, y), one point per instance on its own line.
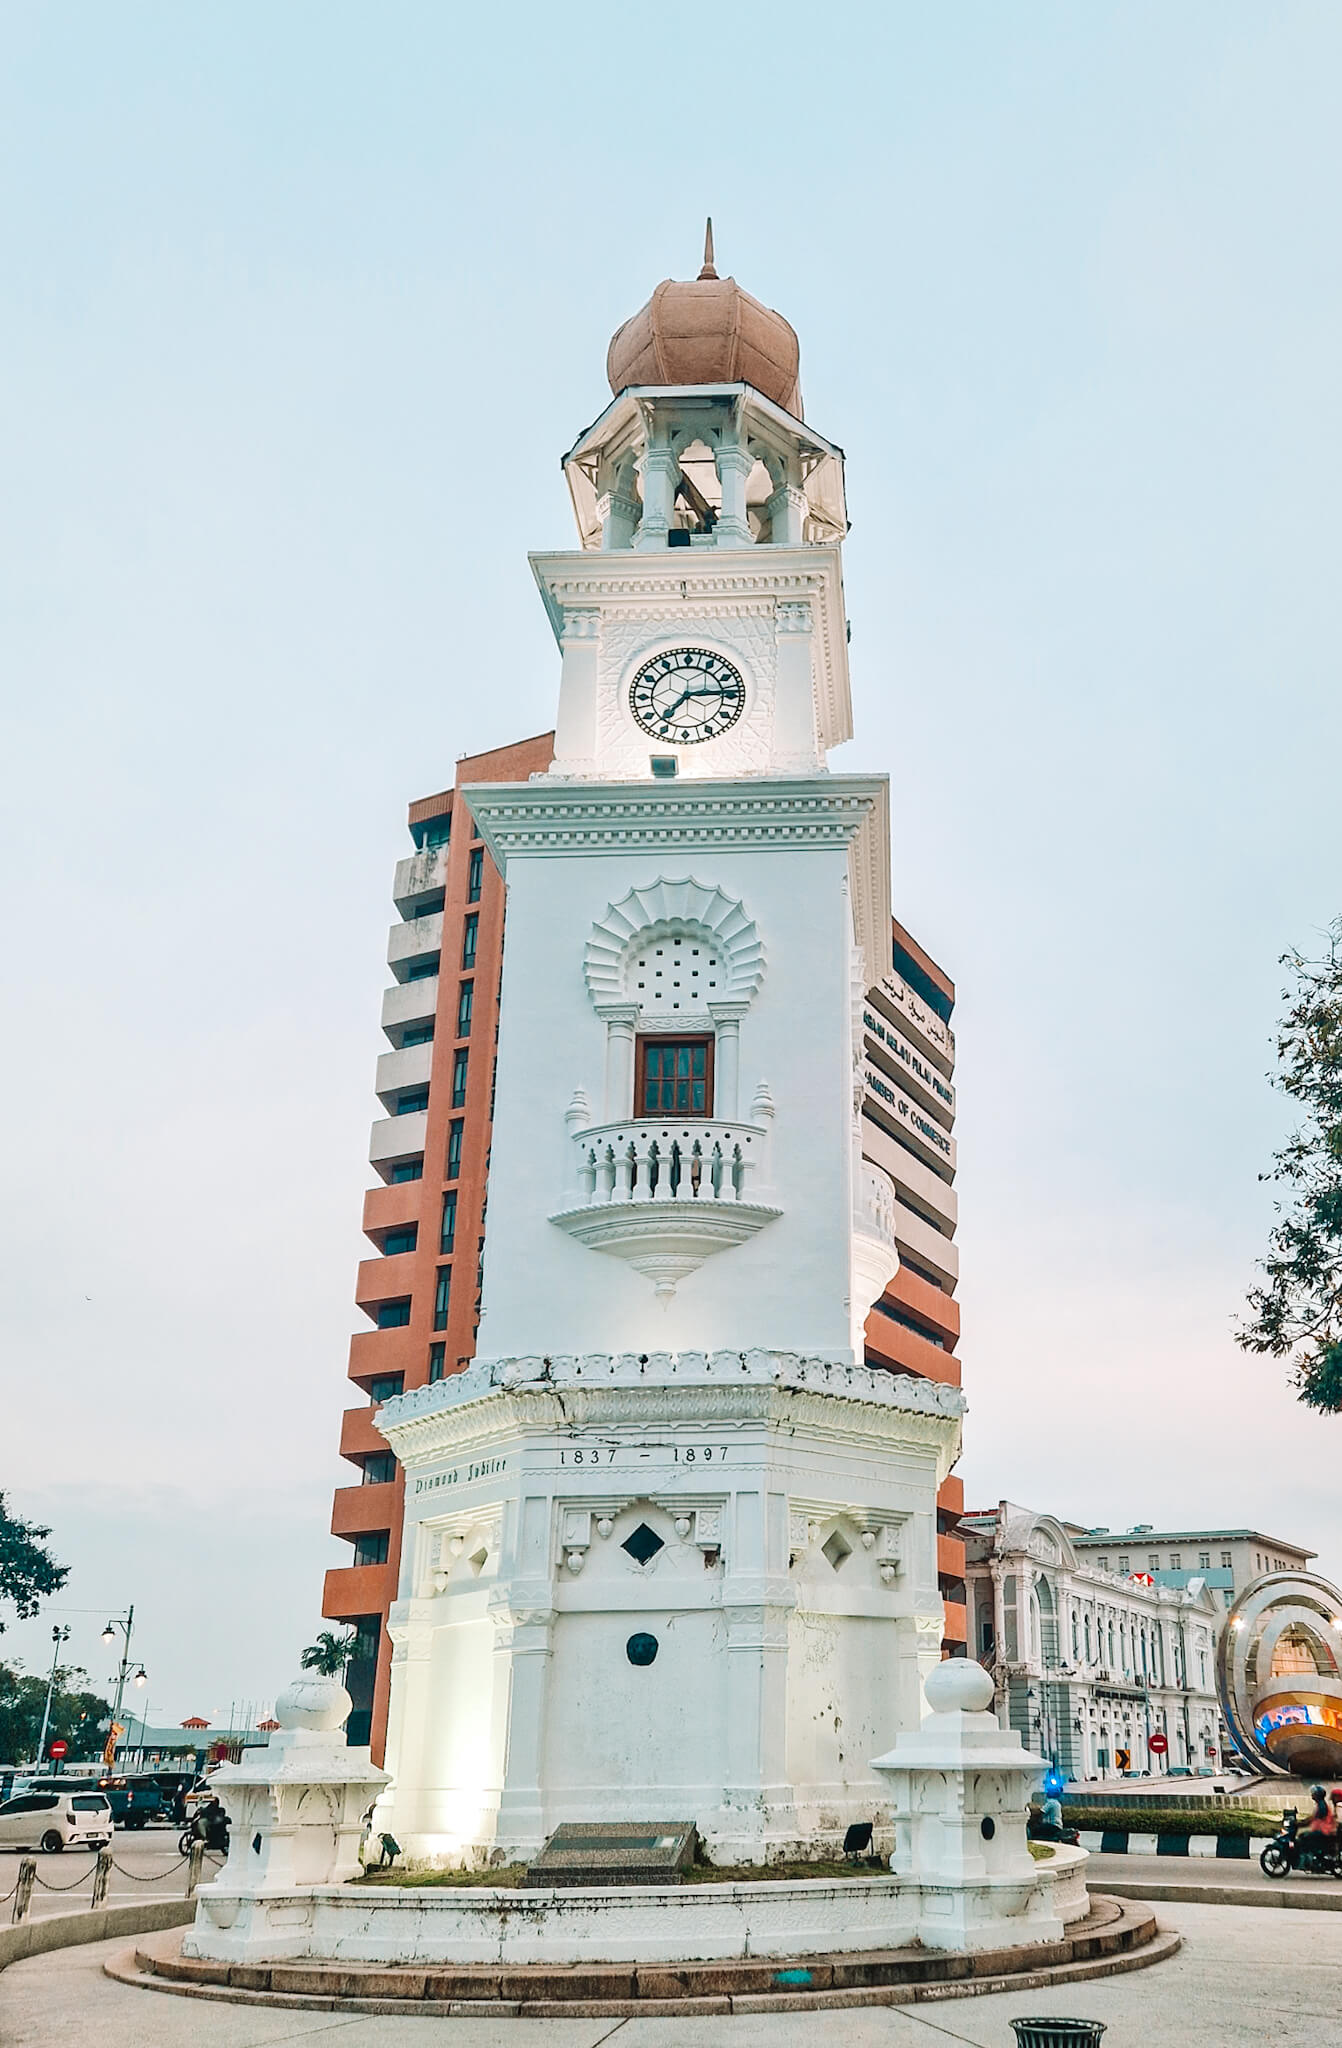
(194, 1722)
(266, 1727)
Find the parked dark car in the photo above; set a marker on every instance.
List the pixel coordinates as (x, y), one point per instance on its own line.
(135, 1801)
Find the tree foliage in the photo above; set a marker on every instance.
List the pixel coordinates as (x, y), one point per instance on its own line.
(79, 1716)
(1298, 1311)
(330, 1653)
(28, 1571)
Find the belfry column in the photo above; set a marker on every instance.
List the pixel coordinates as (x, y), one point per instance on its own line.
(621, 1021)
(661, 473)
(734, 466)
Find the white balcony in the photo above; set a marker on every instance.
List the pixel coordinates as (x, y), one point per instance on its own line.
(408, 1068)
(665, 1194)
(920, 1241)
(421, 874)
(413, 940)
(397, 1137)
(915, 1184)
(409, 1002)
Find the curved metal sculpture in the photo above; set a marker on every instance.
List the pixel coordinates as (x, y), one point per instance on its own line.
(1279, 1674)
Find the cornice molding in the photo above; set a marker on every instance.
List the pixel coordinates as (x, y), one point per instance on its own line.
(539, 818)
(829, 1399)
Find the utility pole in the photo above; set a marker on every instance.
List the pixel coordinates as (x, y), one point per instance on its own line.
(126, 1623)
(58, 1637)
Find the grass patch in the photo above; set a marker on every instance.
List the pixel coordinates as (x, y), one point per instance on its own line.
(1041, 1851)
(507, 1877)
(1173, 1820)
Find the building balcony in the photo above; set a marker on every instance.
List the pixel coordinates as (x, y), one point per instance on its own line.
(409, 1067)
(950, 1556)
(954, 1623)
(666, 1194)
(421, 938)
(394, 1138)
(359, 1435)
(375, 1352)
(422, 876)
(926, 1303)
(903, 1350)
(920, 1241)
(386, 1279)
(407, 1003)
(363, 1510)
(353, 1590)
(391, 1207)
(916, 1184)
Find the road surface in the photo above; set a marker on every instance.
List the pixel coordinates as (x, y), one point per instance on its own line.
(149, 1868)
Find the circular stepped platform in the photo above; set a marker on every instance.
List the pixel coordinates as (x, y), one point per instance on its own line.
(1116, 1935)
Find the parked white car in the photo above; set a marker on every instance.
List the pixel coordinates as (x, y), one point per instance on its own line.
(56, 1820)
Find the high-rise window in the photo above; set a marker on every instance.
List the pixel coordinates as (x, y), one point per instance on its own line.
(409, 1169)
(397, 1241)
(675, 1077)
(442, 1297)
(1204, 1560)
(465, 1004)
(475, 874)
(422, 969)
(454, 1131)
(448, 1236)
(470, 938)
(434, 831)
(437, 1361)
(418, 1034)
(1226, 1560)
(372, 1549)
(379, 1467)
(459, 1079)
(385, 1387)
(410, 1101)
(393, 1315)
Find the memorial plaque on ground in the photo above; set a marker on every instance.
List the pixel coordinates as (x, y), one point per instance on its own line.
(614, 1852)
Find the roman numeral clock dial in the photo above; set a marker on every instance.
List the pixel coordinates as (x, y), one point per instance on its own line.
(686, 695)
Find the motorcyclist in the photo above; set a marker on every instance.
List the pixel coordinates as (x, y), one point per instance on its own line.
(1320, 1830)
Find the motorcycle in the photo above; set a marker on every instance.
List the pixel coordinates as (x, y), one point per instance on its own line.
(1318, 1855)
(205, 1826)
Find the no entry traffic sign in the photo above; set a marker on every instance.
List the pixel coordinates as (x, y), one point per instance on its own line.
(1157, 1743)
(57, 1748)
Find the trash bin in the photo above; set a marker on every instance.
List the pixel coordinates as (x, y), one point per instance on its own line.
(1051, 2033)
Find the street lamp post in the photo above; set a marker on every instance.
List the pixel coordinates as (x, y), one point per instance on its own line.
(58, 1637)
(126, 1623)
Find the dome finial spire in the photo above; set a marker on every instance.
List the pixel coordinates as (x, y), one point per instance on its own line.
(708, 270)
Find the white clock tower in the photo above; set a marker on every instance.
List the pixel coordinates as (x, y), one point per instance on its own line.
(670, 1545)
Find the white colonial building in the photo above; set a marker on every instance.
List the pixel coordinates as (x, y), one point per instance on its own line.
(1089, 1664)
(670, 1546)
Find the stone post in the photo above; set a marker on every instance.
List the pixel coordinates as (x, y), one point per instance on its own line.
(795, 744)
(296, 1812)
(734, 466)
(960, 1785)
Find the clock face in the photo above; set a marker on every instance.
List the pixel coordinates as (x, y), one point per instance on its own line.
(687, 695)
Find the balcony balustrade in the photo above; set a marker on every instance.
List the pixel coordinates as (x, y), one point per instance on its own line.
(665, 1194)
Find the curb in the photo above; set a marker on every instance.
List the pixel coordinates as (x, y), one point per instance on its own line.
(70, 1930)
(1225, 1895)
(1132, 1842)
(506, 1994)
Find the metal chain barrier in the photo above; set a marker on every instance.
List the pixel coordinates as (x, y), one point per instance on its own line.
(73, 1886)
(23, 1888)
(138, 1877)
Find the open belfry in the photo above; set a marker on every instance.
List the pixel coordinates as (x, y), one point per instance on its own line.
(669, 1543)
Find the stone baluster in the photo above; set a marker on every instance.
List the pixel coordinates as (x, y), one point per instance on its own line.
(624, 1172)
(643, 1151)
(606, 1174)
(662, 1191)
(587, 1174)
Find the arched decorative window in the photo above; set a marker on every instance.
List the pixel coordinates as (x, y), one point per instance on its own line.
(672, 968)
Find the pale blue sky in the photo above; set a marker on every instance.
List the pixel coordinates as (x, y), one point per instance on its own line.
(304, 302)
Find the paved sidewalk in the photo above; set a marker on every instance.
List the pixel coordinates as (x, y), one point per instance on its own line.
(1244, 1979)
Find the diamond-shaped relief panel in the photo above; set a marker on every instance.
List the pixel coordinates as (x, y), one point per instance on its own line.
(643, 1544)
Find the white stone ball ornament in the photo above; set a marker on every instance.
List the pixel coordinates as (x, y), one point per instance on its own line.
(312, 1702)
(958, 1685)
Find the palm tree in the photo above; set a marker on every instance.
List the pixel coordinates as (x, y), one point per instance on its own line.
(330, 1653)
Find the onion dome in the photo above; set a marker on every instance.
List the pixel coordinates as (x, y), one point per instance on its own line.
(708, 331)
